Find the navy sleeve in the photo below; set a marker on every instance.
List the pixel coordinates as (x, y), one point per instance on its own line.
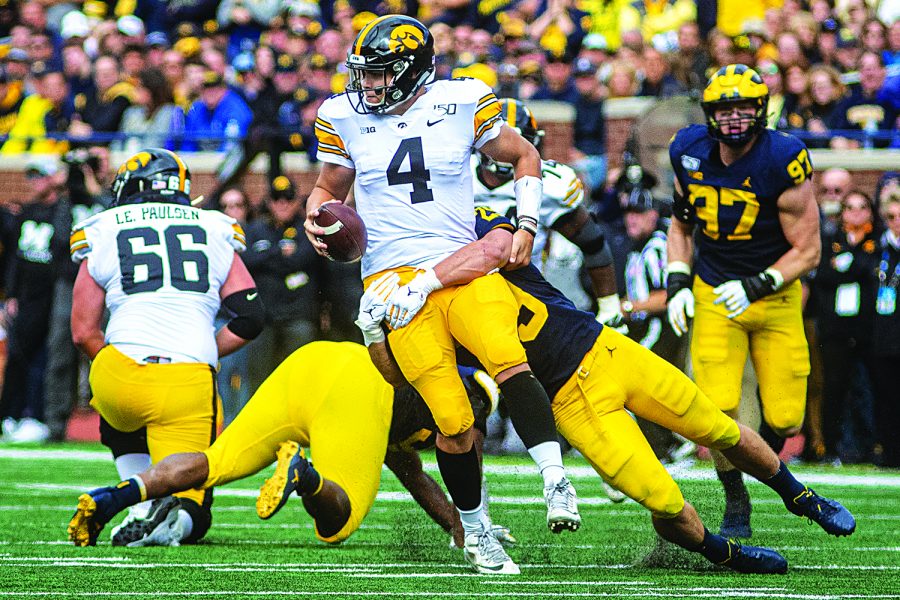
(792, 164)
(487, 220)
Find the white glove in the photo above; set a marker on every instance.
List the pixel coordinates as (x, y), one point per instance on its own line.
(373, 307)
(407, 300)
(733, 295)
(609, 313)
(680, 309)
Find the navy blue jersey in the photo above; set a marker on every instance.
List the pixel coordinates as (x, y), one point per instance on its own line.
(555, 334)
(737, 206)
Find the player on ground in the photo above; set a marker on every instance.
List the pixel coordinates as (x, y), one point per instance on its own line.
(749, 192)
(404, 145)
(163, 269)
(345, 402)
(562, 210)
(596, 376)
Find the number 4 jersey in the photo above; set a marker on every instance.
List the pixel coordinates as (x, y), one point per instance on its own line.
(413, 185)
(162, 266)
(736, 206)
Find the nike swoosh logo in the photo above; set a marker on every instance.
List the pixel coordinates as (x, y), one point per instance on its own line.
(251, 297)
(430, 123)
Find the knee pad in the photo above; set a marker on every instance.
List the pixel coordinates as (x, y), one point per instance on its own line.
(665, 500)
(122, 442)
(201, 517)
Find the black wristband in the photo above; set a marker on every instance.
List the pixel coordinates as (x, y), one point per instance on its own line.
(677, 282)
(682, 209)
(528, 224)
(758, 286)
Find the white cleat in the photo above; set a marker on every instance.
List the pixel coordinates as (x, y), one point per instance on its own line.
(160, 527)
(562, 507)
(486, 555)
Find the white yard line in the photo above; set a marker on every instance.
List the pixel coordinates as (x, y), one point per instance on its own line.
(663, 592)
(679, 473)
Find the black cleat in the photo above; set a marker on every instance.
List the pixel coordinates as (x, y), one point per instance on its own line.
(158, 528)
(754, 559)
(829, 514)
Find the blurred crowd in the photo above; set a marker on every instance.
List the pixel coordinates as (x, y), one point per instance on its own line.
(243, 77)
(206, 74)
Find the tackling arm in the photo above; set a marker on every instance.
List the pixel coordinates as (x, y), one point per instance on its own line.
(88, 302)
(334, 184)
(407, 466)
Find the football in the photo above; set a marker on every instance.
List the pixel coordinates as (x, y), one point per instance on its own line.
(345, 233)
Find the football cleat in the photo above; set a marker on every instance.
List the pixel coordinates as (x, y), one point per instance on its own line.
(90, 517)
(754, 559)
(562, 507)
(159, 528)
(289, 472)
(829, 514)
(485, 553)
(736, 524)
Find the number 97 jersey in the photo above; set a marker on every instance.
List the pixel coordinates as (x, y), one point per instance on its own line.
(736, 207)
(162, 266)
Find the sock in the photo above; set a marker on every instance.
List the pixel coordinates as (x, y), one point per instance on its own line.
(548, 458)
(310, 482)
(529, 409)
(114, 499)
(736, 495)
(714, 547)
(185, 524)
(462, 477)
(475, 520)
(129, 465)
(785, 484)
(775, 441)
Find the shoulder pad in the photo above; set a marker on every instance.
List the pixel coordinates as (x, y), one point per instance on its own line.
(230, 228)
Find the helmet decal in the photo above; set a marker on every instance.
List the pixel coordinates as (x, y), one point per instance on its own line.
(405, 37)
(152, 175)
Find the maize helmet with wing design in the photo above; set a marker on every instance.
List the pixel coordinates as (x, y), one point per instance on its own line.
(735, 85)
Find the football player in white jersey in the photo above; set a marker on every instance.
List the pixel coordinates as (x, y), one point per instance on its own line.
(562, 209)
(163, 269)
(404, 145)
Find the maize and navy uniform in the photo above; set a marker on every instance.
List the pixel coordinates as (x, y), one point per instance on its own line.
(563, 193)
(161, 266)
(329, 397)
(740, 235)
(595, 376)
(413, 190)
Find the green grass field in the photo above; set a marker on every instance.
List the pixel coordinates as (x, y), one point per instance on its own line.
(400, 553)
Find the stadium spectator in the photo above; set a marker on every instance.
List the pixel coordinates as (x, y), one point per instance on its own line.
(588, 151)
(245, 20)
(88, 193)
(886, 338)
(289, 275)
(847, 51)
(826, 42)
(46, 112)
(658, 21)
(865, 110)
(622, 82)
(817, 109)
(219, 119)
(558, 84)
(101, 110)
(658, 80)
(559, 27)
(845, 290)
(834, 185)
(17, 64)
(11, 98)
(29, 291)
(157, 46)
(133, 62)
(154, 121)
(78, 70)
(691, 60)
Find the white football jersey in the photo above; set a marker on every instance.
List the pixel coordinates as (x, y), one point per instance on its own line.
(413, 185)
(563, 193)
(162, 266)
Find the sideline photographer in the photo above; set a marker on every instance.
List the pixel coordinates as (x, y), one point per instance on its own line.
(87, 186)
